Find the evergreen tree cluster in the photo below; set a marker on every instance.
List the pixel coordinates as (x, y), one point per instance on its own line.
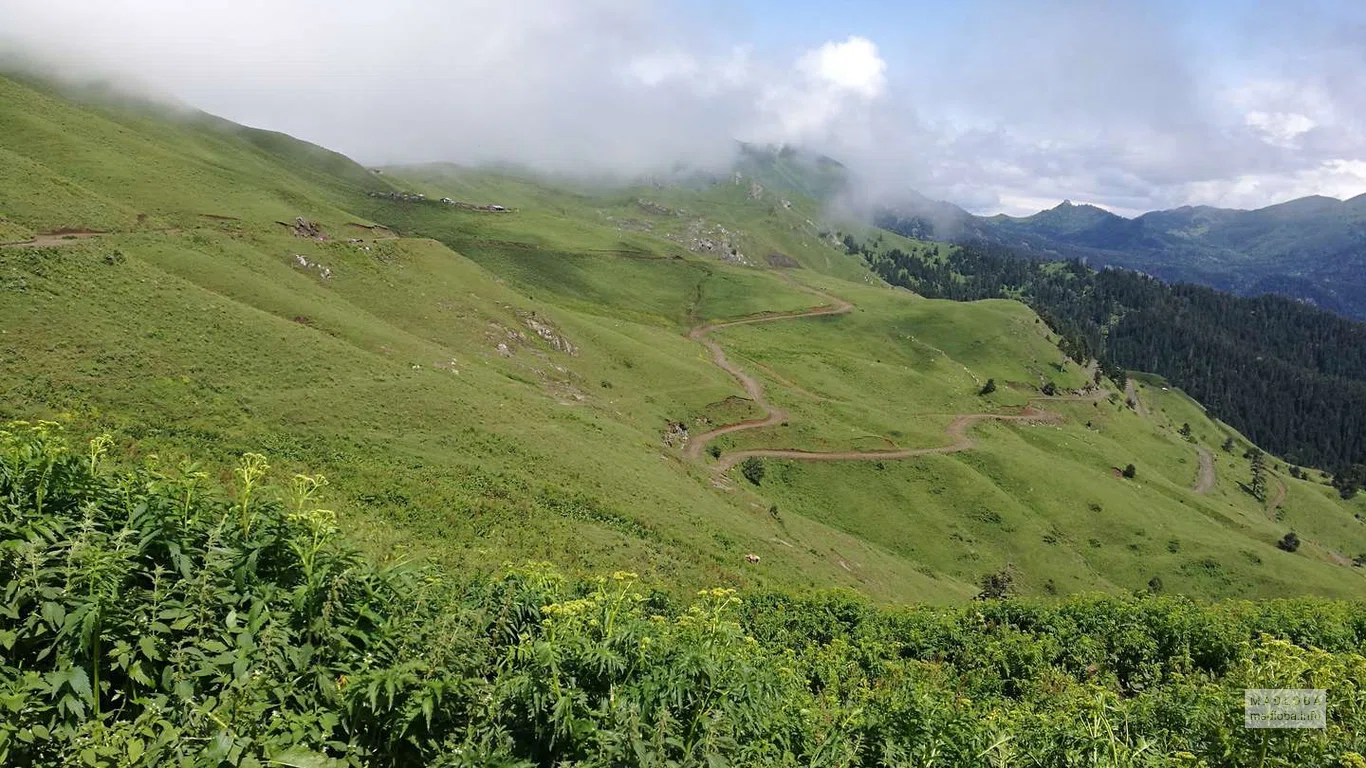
(1350, 480)
(1289, 376)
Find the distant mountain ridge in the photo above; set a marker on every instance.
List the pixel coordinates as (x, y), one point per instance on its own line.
(1312, 248)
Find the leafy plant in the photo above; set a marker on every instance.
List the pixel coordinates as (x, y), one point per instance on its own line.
(996, 585)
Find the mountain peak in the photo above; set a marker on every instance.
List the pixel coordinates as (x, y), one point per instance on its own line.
(1068, 205)
(1074, 215)
(1300, 206)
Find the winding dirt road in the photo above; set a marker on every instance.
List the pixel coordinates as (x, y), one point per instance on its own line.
(957, 429)
(752, 387)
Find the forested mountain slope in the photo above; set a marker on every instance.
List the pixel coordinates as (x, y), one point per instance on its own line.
(1312, 249)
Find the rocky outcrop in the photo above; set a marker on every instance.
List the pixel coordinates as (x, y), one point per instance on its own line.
(552, 335)
(304, 228)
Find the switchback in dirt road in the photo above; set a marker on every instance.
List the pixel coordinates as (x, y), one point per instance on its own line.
(957, 430)
(752, 387)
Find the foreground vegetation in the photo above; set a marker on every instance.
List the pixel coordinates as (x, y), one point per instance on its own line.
(151, 618)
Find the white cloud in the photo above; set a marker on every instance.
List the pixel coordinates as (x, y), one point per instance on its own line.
(654, 69)
(825, 101)
(710, 77)
(1334, 178)
(853, 65)
(1280, 128)
(593, 85)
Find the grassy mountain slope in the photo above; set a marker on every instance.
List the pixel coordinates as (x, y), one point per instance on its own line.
(501, 386)
(125, 166)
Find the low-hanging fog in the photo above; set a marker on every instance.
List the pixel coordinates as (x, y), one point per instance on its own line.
(997, 106)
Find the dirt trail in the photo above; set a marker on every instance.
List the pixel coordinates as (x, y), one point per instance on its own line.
(1204, 482)
(382, 232)
(71, 236)
(58, 238)
(957, 429)
(1131, 393)
(1277, 496)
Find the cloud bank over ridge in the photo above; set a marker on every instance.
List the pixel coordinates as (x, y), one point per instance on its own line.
(1006, 106)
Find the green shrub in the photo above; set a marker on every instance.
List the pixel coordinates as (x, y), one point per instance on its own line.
(753, 469)
(997, 586)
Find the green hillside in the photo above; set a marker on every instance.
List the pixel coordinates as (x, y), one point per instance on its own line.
(124, 166)
(486, 386)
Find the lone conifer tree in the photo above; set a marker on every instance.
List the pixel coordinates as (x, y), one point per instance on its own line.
(1258, 486)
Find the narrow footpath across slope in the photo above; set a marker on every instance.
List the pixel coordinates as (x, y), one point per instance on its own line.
(1277, 497)
(53, 239)
(1204, 482)
(1131, 394)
